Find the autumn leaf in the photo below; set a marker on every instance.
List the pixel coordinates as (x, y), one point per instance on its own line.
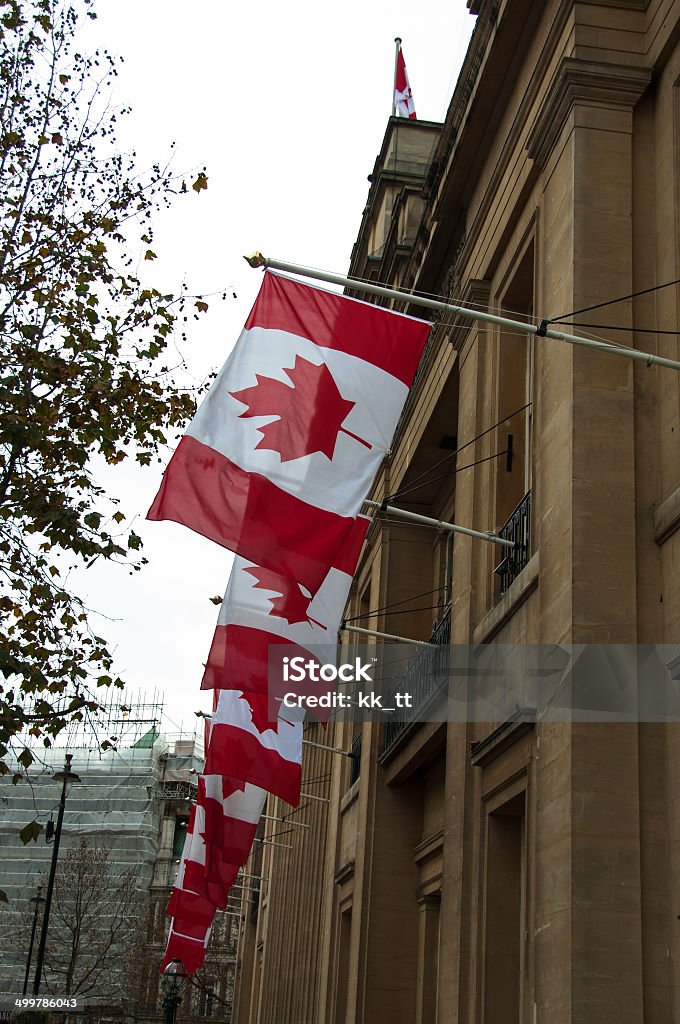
(216, 599)
(150, 255)
(57, 138)
(115, 458)
(310, 411)
(201, 306)
(200, 183)
(25, 758)
(292, 603)
(30, 832)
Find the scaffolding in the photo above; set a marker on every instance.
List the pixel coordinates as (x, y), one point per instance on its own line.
(118, 805)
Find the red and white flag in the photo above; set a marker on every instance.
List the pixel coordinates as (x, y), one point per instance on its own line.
(283, 450)
(246, 744)
(192, 883)
(231, 812)
(190, 949)
(191, 908)
(403, 98)
(261, 609)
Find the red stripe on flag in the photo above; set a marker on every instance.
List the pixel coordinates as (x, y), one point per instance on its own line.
(248, 514)
(214, 888)
(338, 322)
(190, 951)
(189, 929)
(235, 752)
(232, 837)
(190, 906)
(239, 659)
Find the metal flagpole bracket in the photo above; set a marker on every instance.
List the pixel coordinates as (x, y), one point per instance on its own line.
(255, 260)
(322, 746)
(440, 524)
(387, 636)
(286, 821)
(270, 842)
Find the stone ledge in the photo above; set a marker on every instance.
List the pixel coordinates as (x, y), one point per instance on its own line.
(344, 873)
(487, 750)
(667, 517)
(515, 596)
(429, 846)
(349, 797)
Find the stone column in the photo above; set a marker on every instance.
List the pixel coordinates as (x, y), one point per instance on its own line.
(588, 915)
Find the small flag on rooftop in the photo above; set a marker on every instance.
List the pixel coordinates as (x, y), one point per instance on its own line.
(403, 97)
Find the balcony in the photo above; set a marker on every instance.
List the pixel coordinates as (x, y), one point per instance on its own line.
(424, 680)
(518, 530)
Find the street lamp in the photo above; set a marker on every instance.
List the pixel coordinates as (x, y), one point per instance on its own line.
(37, 900)
(172, 983)
(66, 777)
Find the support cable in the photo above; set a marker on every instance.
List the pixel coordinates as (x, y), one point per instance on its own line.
(395, 604)
(445, 476)
(610, 302)
(462, 447)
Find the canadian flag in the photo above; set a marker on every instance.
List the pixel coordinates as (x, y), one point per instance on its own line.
(231, 812)
(192, 884)
(190, 949)
(246, 744)
(191, 909)
(403, 98)
(283, 450)
(262, 608)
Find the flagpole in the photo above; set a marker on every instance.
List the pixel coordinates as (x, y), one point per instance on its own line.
(441, 524)
(397, 44)
(256, 259)
(386, 636)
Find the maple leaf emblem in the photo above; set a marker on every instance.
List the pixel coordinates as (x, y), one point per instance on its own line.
(292, 602)
(230, 786)
(310, 411)
(264, 718)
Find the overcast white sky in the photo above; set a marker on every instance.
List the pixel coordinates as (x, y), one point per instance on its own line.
(286, 106)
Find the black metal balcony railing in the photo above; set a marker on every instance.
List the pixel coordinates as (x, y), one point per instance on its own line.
(355, 755)
(518, 530)
(426, 677)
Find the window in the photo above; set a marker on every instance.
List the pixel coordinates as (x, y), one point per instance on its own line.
(505, 912)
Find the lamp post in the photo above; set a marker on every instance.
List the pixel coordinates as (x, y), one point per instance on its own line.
(172, 983)
(66, 777)
(37, 900)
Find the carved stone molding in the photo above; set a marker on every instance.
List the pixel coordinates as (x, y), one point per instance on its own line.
(612, 86)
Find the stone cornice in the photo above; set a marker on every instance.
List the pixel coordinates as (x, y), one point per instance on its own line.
(485, 751)
(613, 86)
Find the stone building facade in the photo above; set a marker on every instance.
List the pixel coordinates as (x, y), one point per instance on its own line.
(513, 870)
